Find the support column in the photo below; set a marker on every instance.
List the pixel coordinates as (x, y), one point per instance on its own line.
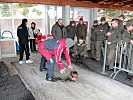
(12, 16)
(93, 16)
(46, 21)
(0, 51)
(0, 45)
(66, 15)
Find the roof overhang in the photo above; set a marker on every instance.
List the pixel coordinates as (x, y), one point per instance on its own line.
(109, 4)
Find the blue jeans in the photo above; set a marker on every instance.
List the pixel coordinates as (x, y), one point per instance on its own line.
(50, 68)
(43, 62)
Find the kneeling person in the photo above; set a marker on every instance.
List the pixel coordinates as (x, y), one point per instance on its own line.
(80, 49)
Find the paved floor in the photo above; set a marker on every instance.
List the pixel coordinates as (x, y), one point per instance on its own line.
(90, 85)
(11, 86)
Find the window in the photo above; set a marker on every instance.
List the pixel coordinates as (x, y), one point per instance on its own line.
(45, 16)
(76, 13)
(6, 17)
(54, 13)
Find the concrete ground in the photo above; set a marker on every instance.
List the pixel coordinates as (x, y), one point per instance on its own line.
(90, 85)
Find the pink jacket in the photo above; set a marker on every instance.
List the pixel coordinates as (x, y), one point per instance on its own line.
(58, 50)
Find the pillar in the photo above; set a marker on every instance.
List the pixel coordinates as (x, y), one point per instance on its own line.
(66, 15)
(93, 16)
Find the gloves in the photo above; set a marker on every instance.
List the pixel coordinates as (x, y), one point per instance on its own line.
(62, 71)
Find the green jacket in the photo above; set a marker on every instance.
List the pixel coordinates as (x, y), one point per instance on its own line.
(127, 36)
(121, 26)
(80, 49)
(71, 31)
(81, 31)
(93, 33)
(115, 37)
(101, 31)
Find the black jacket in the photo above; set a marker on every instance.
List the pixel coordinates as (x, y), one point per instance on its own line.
(93, 33)
(71, 31)
(22, 33)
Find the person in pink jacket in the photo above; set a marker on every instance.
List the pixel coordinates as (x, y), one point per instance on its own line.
(52, 50)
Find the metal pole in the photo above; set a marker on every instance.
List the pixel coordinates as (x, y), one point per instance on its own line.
(130, 56)
(46, 21)
(105, 55)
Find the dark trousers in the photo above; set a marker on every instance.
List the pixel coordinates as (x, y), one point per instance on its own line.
(43, 62)
(51, 67)
(32, 45)
(24, 47)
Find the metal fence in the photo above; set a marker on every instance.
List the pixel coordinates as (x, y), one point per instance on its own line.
(123, 56)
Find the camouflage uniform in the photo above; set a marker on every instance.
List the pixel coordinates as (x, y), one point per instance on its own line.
(127, 36)
(93, 41)
(101, 30)
(114, 39)
(81, 31)
(80, 49)
(71, 30)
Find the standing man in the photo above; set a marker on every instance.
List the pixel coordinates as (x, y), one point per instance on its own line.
(121, 23)
(93, 39)
(114, 36)
(71, 30)
(59, 30)
(101, 30)
(52, 50)
(22, 33)
(128, 37)
(81, 29)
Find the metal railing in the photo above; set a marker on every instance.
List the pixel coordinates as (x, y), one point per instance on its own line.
(124, 54)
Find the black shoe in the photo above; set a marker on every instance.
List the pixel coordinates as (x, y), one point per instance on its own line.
(45, 69)
(107, 67)
(51, 79)
(117, 64)
(93, 58)
(54, 77)
(59, 78)
(129, 78)
(35, 50)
